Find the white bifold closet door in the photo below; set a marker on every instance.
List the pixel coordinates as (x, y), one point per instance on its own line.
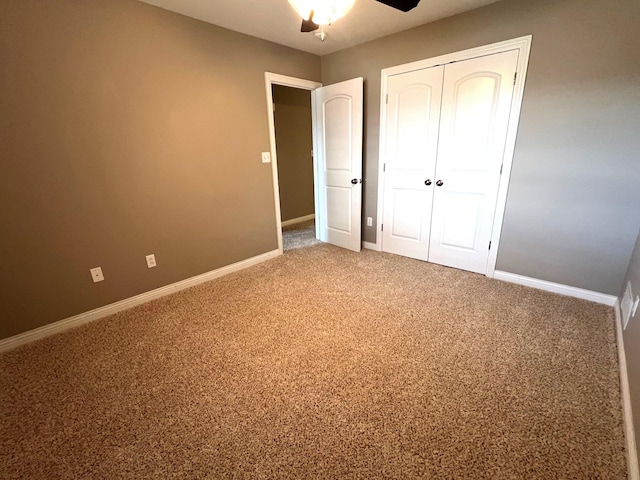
(444, 214)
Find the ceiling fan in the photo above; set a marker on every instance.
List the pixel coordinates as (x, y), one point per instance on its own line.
(323, 12)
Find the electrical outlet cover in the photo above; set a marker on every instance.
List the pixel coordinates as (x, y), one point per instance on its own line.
(96, 274)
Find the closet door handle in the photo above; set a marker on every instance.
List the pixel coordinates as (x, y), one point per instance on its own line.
(427, 182)
(439, 183)
(354, 181)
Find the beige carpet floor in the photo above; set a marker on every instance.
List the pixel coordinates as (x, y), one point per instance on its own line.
(323, 363)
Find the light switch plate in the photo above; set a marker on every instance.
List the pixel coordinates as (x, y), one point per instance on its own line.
(151, 261)
(266, 157)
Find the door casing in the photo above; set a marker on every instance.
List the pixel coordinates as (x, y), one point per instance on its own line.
(523, 44)
(276, 79)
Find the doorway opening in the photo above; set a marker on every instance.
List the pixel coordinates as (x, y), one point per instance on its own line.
(290, 114)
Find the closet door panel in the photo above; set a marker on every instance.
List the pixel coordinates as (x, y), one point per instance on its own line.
(476, 104)
(413, 112)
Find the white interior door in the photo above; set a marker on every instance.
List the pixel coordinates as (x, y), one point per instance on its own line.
(476, 103)
(413, 117)
(338, 179)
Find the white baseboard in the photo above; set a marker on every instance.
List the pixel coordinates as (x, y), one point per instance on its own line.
(558, 288)
(293, 221)
(629, 433)
(86, 317)
(371, 246)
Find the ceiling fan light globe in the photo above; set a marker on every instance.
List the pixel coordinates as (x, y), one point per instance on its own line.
(325, 12)
(302, 8)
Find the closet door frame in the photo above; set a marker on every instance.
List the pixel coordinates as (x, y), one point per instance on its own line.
(523, 45)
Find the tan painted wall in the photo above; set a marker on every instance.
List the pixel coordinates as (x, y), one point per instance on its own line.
(127, 130)
(572, 207)
(294, 141)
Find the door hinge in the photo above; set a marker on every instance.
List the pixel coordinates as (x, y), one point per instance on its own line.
(489, 245)
(382, 227)
(384, 167)
(515, 75)
(387, 98)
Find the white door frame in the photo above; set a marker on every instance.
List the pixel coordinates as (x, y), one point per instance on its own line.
(523, 45)
(276, 79)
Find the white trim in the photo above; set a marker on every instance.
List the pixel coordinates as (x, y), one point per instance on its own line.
(629, 433)
(523, 44)
(371, 246)
(271, 79)
(558, 288)
(316, 171)
(498, 47)
(293, 221)
(86, 317)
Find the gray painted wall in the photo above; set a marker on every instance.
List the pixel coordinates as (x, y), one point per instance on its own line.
(632, 338)
(571, 214)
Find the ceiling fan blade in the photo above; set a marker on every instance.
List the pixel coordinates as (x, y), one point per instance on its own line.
(309, 25)
(404, 5)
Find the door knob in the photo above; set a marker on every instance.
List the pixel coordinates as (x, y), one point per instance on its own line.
(354, 181)
(427, 182)
(439, 183)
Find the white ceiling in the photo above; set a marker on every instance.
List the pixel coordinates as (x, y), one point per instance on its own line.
(276, 21)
